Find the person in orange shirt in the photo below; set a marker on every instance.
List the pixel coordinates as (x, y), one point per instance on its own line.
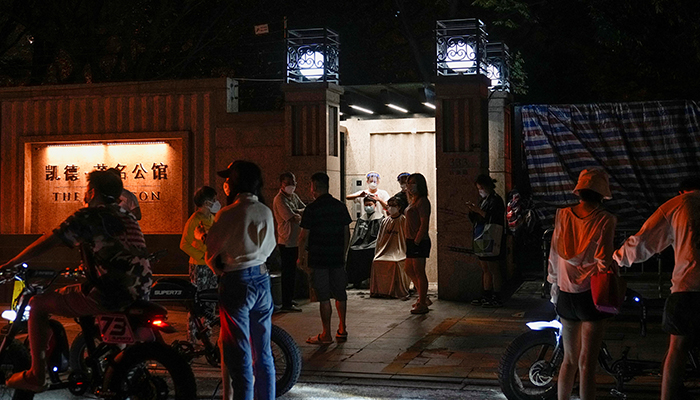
(676, 223)
(582, 246)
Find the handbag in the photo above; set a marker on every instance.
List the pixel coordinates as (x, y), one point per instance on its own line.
(487, 239)
(608, 290)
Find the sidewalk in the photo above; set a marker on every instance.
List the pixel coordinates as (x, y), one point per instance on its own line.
(454, 345)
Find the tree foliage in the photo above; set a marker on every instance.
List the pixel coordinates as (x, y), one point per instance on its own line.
(565, 51)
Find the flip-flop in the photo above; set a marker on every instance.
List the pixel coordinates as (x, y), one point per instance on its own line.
(19, 381)
(317, 340)
(341, 337)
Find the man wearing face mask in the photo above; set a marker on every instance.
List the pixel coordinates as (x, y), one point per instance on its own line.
(200, 275)
(362, 244)
(380, 196)
(288, 207)
(238, 246)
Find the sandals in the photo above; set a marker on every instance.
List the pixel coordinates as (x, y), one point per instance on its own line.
(420, 309)
(318, 340)
(20, 381)
(341, 337)
(428, 302)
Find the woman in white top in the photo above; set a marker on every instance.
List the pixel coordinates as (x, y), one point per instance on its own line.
(582, 245)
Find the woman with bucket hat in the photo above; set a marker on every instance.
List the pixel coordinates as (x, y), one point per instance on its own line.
(582, 245)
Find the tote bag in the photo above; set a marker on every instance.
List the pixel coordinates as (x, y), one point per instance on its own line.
(608, 290)
(487, 239)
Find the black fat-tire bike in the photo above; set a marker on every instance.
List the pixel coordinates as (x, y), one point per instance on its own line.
(529, 367)
(284, 349)
(129, 361)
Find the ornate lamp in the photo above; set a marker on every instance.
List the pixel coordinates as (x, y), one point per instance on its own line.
(460, 47)
(312, 55)
(499, 63)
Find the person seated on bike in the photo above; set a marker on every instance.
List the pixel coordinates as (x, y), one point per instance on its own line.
(111, 238)
(582, 245)
(676, 223)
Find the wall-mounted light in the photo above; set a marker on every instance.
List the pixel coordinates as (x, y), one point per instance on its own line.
(312, 55)
(429, 105)
(362, 109)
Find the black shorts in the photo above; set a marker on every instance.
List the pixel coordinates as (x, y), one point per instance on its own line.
(329, 282)
(420, 250)
(682, 314)
(579, 307)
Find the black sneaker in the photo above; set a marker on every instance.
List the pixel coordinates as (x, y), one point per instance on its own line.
(479, 302)
(493, 303)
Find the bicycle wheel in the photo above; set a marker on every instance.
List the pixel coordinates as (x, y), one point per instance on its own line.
(287, 360)
(16, 359)
(528, 369)
(78, 353)
(151, 371)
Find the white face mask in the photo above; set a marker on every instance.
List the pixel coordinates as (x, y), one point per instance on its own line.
(483, 193)
(372, 185)
(227, 189)
(215, 207)
(289, 189)
(393, 211)
(369, 210)
(403, 186)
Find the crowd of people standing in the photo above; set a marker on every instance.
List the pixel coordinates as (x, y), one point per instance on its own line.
(229, 247)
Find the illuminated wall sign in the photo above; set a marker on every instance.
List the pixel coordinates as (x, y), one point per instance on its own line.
(150, 169)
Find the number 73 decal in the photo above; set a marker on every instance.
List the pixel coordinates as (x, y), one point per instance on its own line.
(115, 329)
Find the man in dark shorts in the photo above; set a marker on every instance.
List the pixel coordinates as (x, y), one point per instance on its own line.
(676, 223)
(323, 243)
(122, 274)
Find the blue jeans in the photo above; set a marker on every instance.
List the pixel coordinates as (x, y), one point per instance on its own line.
(245, 308)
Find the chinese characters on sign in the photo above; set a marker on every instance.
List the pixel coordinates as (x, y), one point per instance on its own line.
(70, 172)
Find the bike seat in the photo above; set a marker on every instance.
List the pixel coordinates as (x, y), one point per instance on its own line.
(208, 295)
(145, 308)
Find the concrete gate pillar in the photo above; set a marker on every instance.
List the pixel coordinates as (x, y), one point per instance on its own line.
(501, 162)
(500, 142)
(462, 153)
(311, 135)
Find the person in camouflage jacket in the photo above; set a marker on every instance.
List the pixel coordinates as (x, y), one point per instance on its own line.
(114, 248)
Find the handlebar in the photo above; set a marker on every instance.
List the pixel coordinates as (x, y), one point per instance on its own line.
(22, 272)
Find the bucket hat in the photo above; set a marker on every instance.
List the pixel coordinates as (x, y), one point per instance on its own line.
(595, 180)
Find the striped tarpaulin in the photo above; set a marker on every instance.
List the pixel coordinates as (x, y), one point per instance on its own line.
(646, 148)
